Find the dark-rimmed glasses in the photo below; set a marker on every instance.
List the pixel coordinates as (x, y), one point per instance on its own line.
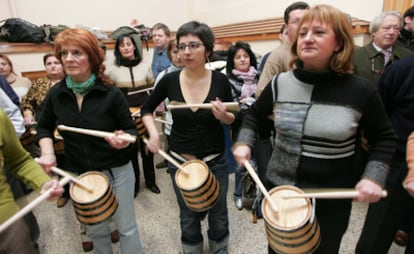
(191, 45)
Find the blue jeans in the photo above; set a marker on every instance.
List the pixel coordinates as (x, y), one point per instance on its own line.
(122, 180)
(218, 221)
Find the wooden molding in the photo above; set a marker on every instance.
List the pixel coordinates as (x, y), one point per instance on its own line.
(260, 30)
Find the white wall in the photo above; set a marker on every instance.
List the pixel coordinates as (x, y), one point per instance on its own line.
(109, 14)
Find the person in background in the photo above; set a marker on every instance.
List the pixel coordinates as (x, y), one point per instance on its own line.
(16, 238)
(87, 99)
(19, 84)
(196, 133)
(176, 65)
(406, 40)
(130, 74)
(31, 106)
(318, 109)
(408, 184)
(384, 218)
(13, 112)
(406, 35)
(278, 60)
(160, 36)
(282, 38)
(371, 60)
(243, 77)
(9, 91)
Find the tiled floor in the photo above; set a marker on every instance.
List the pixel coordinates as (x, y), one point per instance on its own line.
(157, 217)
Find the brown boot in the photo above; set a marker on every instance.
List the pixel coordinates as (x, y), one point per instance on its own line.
(87, 246)
(401, 238)
(115, 236)
(61, 202)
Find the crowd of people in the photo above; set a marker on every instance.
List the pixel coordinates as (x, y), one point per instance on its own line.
(316, 112)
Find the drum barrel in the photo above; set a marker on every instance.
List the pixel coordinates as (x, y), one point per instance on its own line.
(200, 188)
(96, 207)
(293, 229)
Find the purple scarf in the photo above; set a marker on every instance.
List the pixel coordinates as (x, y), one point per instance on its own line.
(248, 78)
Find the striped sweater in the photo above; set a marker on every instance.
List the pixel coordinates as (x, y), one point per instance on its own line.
(317, 118)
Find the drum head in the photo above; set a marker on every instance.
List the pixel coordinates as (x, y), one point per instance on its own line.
(96, 180)
(293, 213)
(198, 174)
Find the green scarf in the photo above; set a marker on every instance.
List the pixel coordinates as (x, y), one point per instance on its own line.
(83, 87)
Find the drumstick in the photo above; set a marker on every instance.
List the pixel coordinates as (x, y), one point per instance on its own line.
(101, 134)
(234, 106)
(140, 91)
(170, 159)
(73, 179)
(25, 210)
(329, 194)
(260, 184)
(162, 121)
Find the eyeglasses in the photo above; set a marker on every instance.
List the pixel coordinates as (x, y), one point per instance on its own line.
(191, 45)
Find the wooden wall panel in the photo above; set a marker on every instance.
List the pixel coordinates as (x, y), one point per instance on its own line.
(397, 5)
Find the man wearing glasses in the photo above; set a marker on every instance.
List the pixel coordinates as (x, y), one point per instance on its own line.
(371, 60)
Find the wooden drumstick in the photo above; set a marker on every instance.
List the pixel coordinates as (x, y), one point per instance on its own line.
(260, 184)
(140, 91)
(101, 134)
(170, 159)
(25, 210)
(329, 194)
(234, 106)
(162, 121)
(72, 178)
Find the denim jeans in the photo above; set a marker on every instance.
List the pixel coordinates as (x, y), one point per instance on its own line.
(122, 180)
(218, 222)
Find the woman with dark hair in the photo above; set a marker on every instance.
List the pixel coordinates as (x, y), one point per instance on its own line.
(318, 110)
(131, 75)
(243, 77)
(87, 99)
(196, 133)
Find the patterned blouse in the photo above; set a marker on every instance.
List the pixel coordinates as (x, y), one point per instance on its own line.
(33, 99)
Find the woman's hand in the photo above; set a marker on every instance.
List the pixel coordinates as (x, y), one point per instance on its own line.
(56, 191)
(220, 112)
(242, 153)
(153, 144)
(369, 191)
(47, 161)
(29, 119)
(116, 142)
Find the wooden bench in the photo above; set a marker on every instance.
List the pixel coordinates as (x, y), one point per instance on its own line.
(33, 75)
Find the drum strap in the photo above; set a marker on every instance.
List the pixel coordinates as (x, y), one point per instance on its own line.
(207, 158)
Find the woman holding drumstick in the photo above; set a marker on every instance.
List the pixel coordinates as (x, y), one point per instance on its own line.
(86, 99)
(196, 133)
(319, 109)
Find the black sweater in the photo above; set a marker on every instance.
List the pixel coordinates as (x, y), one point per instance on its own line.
(104, 108)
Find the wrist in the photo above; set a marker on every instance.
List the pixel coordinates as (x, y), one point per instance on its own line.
(27, 113)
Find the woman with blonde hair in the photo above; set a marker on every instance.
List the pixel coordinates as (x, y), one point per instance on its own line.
(319, 108)
(20, 85)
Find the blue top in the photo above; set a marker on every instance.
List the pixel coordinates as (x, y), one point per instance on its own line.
(160, 61)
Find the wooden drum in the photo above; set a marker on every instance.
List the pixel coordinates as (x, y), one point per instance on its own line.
(27, 137)
(93, 207)
(294, 229)
(200, 188)
(136, 112)
(58, 143)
